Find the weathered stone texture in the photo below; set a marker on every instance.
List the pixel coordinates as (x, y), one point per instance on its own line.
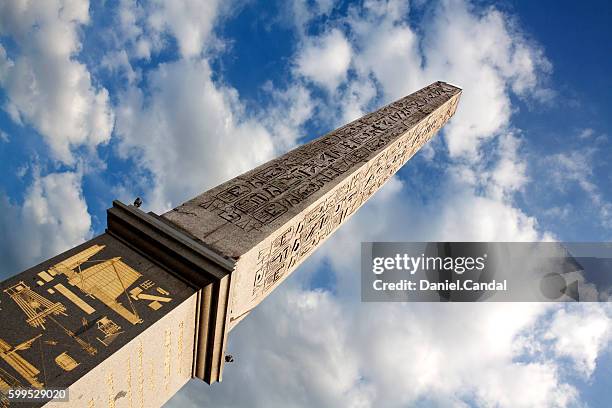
(272, 217)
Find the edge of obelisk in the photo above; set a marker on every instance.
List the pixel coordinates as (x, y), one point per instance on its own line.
(195, 264)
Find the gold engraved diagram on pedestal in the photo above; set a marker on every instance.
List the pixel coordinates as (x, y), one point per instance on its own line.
(68, 265)
(66, 362)
(147, 284)
(27, 370)
(88, 348)
(35, 306)
(38, 308)
(156, 300)
(110, 329)
(74, 298)
(106, 281)
(7, 382)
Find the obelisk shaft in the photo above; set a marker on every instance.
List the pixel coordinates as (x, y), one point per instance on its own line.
(125, 319)
(271, 218)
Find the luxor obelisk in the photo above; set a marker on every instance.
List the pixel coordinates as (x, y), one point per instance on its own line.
(125, 319)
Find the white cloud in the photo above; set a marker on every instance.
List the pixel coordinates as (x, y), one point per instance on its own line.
(52, 218)
(354, 100)
(586, 133)
(481, 51)
(191, 133)
(133, 32)
(510, 172)
(301, 12)
(581, 334)
(304, 348)
(325, 59)
(576, 167)
(289, 109)
(4, 137)
(46, 86)
(143, 27)
(186, 130)
(189, 21)
(118, 62)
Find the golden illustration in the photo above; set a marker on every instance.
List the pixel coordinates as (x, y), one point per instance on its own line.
(35, 306)
(156, 304)
(108, 280)
(68, 265)
(7, 382)
(105, 281)
(39, 308)
(147, 284)
(110, 329)
(45, 276)
(154, 298)
(88, 348)
(135, 292)
(66, 362)
(9, 354)
(74, 298)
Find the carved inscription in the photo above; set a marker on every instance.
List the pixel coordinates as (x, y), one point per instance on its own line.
(298, 240)
(141, 374)
(257, 200)
(167, 358)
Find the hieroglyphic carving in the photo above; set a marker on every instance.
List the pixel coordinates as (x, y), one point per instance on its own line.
(251, 202)
(270, 219)
(167, 358)
(298, 240)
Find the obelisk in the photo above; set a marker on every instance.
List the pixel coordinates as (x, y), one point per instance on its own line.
(125, 319)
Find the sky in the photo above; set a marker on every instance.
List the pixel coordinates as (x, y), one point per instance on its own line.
(166, 99)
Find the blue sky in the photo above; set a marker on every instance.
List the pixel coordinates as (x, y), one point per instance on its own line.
(164, 100)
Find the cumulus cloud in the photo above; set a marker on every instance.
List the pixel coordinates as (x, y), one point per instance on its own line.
(482, 51)
(52, 218)
(325, 59)
(145, 28)
(510, 172)
(191, 133)
(301, 12)
(190, 21)
(581, 334)
(317, 351)
(47, 87)
(186, 130)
